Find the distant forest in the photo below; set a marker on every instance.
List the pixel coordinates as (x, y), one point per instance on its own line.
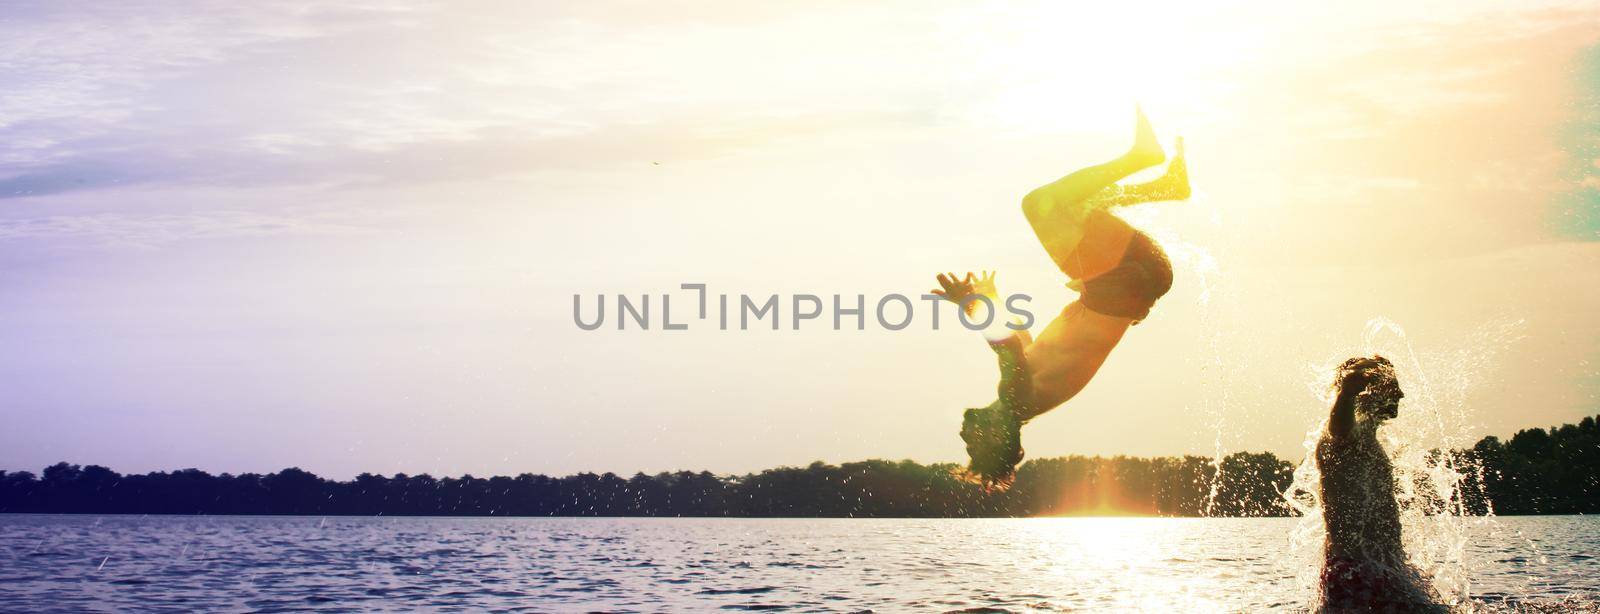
(1538, 471)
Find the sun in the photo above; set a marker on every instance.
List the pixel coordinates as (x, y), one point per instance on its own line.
(1072, 67)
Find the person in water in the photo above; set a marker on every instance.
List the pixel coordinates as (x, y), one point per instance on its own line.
(1364, 563)
(1118, 272)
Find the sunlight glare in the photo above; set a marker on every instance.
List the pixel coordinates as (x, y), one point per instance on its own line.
(1069, 62)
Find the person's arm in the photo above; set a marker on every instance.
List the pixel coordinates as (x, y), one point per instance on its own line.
(1009, 345)
(1342, 418)
(1016, 380)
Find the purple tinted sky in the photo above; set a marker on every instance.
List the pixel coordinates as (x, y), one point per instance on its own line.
(240, 237)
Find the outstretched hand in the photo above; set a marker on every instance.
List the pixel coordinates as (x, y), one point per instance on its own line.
(964, 291)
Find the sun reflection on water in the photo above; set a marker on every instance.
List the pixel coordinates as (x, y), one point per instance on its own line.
(1108, 556)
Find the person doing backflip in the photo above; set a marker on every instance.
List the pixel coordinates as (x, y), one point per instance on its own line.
(1118, 272)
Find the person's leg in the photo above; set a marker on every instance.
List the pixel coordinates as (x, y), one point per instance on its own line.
(1057, 211)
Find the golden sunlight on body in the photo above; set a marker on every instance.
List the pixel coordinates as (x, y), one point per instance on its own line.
(1069, 352)
(1118, 272)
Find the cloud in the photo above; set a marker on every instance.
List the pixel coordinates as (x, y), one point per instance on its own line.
(268, 159)
(246, 96)
(141, 231)
(1431, 139)
(76, 174)
(303, 93)
(124, 93)
(1576, 213)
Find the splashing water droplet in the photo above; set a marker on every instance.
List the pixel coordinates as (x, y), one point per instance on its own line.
(1433, 487)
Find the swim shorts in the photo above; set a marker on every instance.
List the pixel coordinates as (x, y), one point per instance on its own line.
(1132, 287)
(1354, 585)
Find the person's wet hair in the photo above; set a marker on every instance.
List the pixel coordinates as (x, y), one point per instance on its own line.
(1375, 365)
(994, 443)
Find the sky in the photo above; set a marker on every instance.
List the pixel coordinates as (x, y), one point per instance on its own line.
(347, 237)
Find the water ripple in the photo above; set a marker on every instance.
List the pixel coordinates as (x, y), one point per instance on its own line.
(78, 563)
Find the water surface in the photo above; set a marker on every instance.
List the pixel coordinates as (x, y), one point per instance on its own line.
(117, 563)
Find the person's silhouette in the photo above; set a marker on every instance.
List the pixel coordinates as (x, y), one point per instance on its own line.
(1364, 561)
(1118, 271)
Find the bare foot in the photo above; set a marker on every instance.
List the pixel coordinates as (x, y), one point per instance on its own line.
(1176, 178)
(1146, 149)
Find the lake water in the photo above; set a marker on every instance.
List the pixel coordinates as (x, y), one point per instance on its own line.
(119, 563)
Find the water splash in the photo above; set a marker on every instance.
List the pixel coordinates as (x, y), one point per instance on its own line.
(1206, 269)
(1433, 486)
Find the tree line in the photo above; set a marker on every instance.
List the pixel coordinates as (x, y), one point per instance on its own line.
(1537, 471)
